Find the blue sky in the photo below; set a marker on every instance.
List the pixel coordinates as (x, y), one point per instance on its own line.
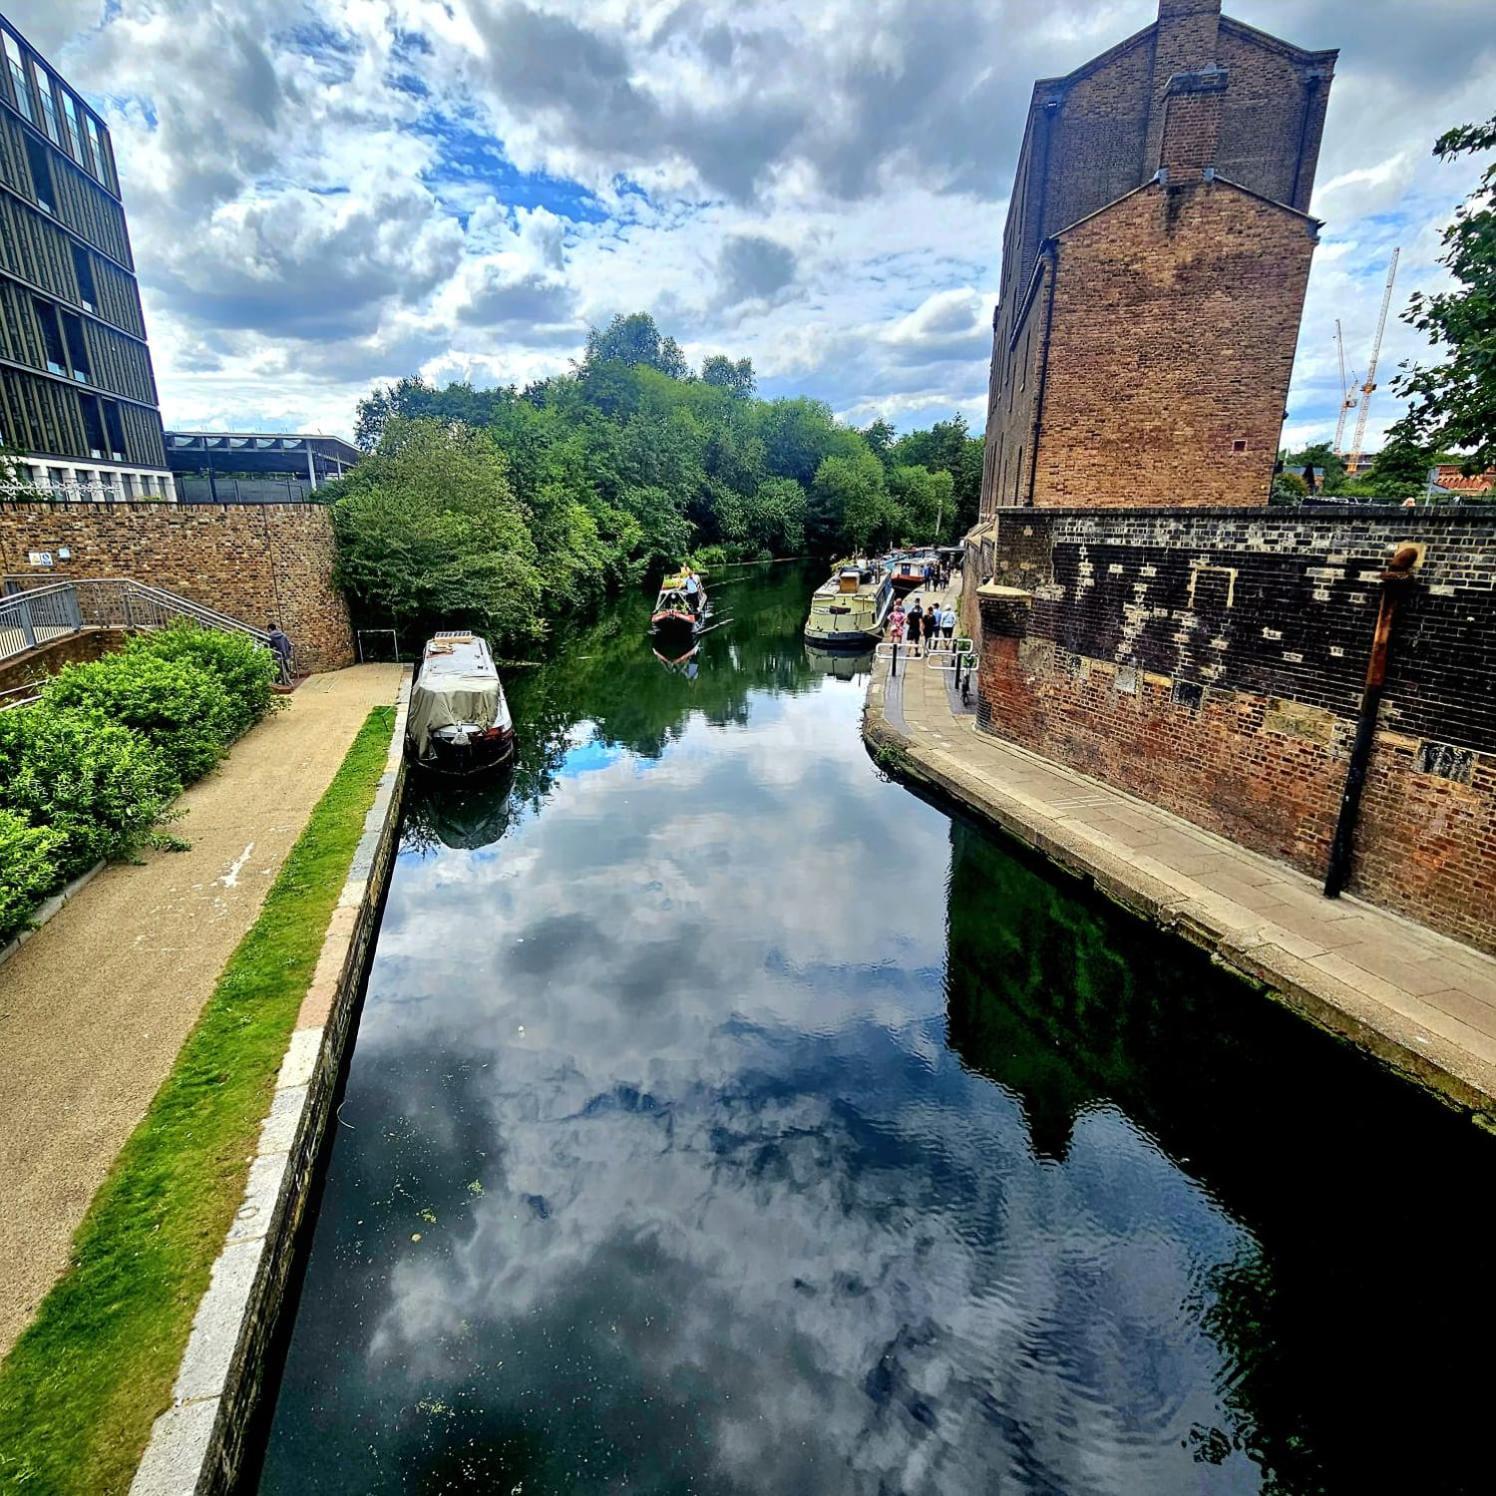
(322, 197)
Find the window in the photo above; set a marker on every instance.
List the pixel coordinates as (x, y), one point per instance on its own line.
(100, 156)
(93, 426)
(115, 429)
(41, 174)
(1239, 445)
(128, 479)
(52, 350)
(75, 134)
(88, 297)
(15, 65)
(57, 478)
(72, 327)
(49, 104)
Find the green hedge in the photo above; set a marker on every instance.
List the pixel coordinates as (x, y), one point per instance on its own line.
(87, 771)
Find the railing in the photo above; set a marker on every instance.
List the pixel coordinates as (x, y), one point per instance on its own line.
(40, 615)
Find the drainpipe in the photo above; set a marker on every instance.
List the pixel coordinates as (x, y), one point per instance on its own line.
(1052, 253)
(1395, 582)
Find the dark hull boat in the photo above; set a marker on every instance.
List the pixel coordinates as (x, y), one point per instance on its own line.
(458, 722)
(681, 609)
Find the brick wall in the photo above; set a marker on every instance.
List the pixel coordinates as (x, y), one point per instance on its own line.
(35, 665)
(1212, 664)
(255, 562)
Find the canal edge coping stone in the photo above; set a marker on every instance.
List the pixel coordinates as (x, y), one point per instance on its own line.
(197, 1444)
(1334, 1006)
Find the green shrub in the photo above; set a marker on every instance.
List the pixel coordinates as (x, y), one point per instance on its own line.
(178, 706)
(102, 786)
(27, 870)
(245, 669)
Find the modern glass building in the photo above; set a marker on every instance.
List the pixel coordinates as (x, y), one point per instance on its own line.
(78, 404)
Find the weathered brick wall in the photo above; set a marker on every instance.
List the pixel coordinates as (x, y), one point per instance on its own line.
(1212, 664)
(255, 562)
(35, 665)
(1171, 342)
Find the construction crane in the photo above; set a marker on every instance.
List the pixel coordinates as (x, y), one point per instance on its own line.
(1347, 395)
(1353, 461)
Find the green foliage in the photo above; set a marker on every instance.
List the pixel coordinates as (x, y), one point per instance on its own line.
(174, 704)
(99, 786)
(431, 535)
(1329, 469)
(80, 1389)
(734, 376)
(922, 500)
(28, 869)
(1289, 488)
(245, 669)
(1454, 403)
(848, 500)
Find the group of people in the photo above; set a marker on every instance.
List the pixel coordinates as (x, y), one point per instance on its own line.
(910, 625)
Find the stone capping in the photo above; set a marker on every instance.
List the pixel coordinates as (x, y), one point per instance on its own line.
(198, 1444)
(1283, 514)
(46, 909)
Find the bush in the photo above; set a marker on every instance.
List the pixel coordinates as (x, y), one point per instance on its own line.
(101, 786)
(27, 870)
(174, 704)
(245, 669)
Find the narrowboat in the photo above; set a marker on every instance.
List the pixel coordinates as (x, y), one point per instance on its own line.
(848, 610)
(909, 571)
(458, 722)
(682, 606)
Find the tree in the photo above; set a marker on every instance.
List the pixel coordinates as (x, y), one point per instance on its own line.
(634, 340)
(1329, 468)
(921, 500)
(848, 504)
(430, 535)
(879, 436)
(736, 377)
(1454, 403)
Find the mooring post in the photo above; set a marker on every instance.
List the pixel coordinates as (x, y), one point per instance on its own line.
(1395, 580)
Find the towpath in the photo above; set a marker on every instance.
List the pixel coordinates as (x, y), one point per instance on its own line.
(1423, 1003)
(95, 1006)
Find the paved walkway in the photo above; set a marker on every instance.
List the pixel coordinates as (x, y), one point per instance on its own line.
(1425, 1004)
(95, 1006)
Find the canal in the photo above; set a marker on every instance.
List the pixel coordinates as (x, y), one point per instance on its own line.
(723, 1118)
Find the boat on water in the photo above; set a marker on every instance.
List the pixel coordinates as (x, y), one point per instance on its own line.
(682, 606)
(847, 610)
(909, 570)
(459, 721)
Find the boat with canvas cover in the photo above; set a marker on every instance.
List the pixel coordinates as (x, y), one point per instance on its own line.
(909, 570)
(848, 610)
(682, 606)
(459, 721)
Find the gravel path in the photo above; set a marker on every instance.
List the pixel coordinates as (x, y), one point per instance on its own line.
(95, 1006)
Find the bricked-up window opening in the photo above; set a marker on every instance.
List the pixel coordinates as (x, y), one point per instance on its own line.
(93, 426)
(19, 86)
(1212, 588)
(52, 349)
(41, 174)
(115, 428)
(1188, 694)
(1446, 761)
(72, 327)
(1127, 680)
(1239, 445)
(88, 296)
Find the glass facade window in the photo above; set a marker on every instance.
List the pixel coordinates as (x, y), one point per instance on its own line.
(93, 427)
(15, 65)
(114, 429)
(72, 329)
(52, 349)
(41, 173)
(101, 158)
(88, 297)
(76, 146)
(49, 104)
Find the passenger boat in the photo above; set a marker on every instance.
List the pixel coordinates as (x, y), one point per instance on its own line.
(909, 570)
(458, 722)
(847, 611)
(682, 606)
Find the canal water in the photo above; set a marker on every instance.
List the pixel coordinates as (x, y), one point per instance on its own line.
(723, 1118)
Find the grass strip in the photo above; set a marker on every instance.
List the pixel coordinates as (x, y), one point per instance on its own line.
(81, 1388)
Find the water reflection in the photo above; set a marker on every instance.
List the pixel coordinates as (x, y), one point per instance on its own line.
(724, 1119)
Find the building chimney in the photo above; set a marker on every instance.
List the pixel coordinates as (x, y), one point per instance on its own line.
(1192, 125)
(1186, 36)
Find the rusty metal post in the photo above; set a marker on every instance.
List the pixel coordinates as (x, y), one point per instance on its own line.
(1395, 581)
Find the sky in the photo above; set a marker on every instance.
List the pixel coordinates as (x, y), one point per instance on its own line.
(323, 197)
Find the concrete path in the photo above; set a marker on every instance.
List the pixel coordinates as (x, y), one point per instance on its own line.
(1424, 1004)
(95, 1006)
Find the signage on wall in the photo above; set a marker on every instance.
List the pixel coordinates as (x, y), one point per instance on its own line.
(39, 558)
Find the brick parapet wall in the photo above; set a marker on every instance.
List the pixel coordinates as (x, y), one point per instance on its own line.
(1212, 663)
(255, 562)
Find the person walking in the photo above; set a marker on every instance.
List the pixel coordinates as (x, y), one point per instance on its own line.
(932, 627)
(896, 622)
(280, 647)
(914, 618)
(948, 625)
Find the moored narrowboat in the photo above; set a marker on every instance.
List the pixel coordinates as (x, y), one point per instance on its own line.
(682, 606)
(912, 569)
(847, 611)
(459, 721)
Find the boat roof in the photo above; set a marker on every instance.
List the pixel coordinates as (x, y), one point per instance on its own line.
(455, 656)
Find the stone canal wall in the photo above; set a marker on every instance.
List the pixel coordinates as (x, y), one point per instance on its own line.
(1212, 663)
(197, 1445)
(255, 562)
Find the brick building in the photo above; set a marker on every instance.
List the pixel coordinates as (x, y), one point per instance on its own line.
(77, 393)
(1154, 264)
